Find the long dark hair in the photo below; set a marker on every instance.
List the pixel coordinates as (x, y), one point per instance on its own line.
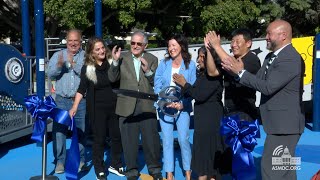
(204, 51)
(183, 42)
(89, 60)
(215, 57)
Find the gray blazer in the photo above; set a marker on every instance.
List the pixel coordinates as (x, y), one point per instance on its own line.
(125, 72)
(281, 92)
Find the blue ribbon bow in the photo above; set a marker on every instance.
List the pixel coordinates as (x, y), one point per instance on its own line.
(240, 136)
(41, 111)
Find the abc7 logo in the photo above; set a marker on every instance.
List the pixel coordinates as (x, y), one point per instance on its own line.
(14, 70)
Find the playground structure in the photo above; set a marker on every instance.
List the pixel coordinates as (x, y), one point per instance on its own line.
(15, 81)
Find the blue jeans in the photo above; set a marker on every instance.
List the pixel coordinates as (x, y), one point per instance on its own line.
(59, 131)
(167, 125)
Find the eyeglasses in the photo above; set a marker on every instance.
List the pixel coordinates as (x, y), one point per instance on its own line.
(137, 43)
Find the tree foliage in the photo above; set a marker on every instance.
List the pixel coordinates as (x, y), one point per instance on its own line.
(10, 25)
(127, 9)
(191, 17)
(296, 12)
(67, 14)
(226, 15)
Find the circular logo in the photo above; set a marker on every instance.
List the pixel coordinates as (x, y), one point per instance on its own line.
(14, 70)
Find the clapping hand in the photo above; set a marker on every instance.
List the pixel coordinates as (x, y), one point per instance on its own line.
(212, 39)
(179, 79)
(144, 65)
(232, 64)
(60, 60)
(70, 59)
(206, 43)
(116, 53)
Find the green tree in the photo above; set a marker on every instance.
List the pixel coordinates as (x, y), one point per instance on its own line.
(10, 18)
(313, 15)
(301, 14)
(62, 14)
(191, 17)
(226, 15)
(127, 9)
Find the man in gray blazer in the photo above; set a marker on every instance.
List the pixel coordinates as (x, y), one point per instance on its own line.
(280, 81)
(136, 70)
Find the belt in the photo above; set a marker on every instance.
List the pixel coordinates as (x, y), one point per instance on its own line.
(72, 98)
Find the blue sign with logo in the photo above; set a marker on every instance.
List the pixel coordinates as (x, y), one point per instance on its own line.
(15, 84)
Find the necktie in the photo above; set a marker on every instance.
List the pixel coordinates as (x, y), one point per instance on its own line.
(270, 60)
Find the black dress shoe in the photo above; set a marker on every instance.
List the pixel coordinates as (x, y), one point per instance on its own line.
(101, 176)
(157, 177)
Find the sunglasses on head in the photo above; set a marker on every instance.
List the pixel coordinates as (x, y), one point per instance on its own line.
(137, 43)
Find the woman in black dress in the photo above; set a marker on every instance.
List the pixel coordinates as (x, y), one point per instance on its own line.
(208, 112)
(101, 103)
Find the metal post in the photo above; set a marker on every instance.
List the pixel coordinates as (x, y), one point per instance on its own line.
(25, 27)
(39, 41)
(316, 85)
(44, 175)
(98, 17)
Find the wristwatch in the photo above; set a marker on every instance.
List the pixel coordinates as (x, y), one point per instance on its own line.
(241, 72)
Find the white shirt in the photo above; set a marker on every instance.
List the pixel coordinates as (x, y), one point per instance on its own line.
(173, 71)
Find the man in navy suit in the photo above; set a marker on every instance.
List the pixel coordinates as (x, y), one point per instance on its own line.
(280, 81)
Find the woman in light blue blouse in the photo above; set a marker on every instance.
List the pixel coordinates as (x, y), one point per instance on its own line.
(179, 61)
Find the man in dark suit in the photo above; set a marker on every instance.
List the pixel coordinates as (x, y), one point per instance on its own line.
(136, 70)
(280, 83)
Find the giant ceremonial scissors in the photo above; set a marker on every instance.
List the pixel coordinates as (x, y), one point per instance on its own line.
(165, 97)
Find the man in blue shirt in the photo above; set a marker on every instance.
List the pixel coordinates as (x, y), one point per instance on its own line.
(65, 67)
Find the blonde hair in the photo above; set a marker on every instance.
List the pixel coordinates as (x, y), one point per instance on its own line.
(89, 60)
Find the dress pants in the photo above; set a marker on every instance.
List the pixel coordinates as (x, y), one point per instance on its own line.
(271, 143)
(167, 125)
(59, 131)
(130, 128)
(106, 121)
(242, 115)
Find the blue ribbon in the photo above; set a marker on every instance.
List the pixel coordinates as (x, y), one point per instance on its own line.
(41, 111)
(73, 156)
(240, 136)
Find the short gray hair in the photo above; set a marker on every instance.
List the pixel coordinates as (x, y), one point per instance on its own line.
(76, 31)
(141, 33)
